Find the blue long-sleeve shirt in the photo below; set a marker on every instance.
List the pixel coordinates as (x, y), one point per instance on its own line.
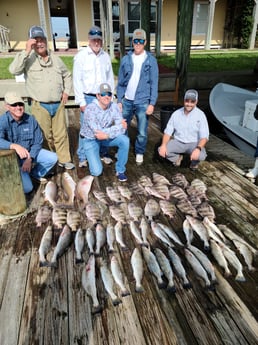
(26, 133)
(147, 88)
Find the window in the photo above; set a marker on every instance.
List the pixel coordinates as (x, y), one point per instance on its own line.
(200, 18)
(132, 14)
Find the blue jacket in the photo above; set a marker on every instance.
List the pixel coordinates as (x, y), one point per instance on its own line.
(147, 89)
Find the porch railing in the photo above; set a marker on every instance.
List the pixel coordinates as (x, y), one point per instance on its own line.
(4, 39)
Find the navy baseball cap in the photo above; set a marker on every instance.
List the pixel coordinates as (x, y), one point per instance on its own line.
(36, 31)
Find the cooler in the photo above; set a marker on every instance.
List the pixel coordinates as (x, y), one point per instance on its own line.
(249, 120)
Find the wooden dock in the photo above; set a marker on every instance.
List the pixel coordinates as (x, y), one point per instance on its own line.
(43, 306)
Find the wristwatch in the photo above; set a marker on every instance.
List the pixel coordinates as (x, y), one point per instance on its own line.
(199, 147)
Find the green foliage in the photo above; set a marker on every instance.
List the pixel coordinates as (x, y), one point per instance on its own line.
(199, 62)
(244, 24)
(217, 61)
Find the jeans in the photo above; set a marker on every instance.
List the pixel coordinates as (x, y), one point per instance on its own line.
(51, 107)
(139, 110)
(43, 163)
(92, 147)
(80, 150)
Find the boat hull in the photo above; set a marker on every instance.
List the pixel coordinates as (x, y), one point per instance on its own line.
(228, 105)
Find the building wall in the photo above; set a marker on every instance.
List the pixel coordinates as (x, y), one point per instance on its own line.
(19, 15)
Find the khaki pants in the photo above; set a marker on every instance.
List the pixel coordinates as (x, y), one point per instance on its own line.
(54, 129)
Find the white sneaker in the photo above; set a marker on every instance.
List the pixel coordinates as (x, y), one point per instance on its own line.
(107, 160)
(139, 158)
(252, 173)
(83, 164)
(67, 166)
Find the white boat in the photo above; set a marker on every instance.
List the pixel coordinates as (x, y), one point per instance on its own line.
(234, 108)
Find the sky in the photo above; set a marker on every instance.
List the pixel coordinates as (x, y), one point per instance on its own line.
(60, 26)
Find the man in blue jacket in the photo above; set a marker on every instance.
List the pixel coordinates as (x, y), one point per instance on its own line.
(137, 89)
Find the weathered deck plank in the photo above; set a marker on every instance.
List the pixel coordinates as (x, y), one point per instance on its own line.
(45, 306)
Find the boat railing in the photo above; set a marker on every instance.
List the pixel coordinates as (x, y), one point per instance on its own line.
(4, 39)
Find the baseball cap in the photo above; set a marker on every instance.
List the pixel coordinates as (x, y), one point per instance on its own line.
(36, 31)
(12, 98)
(104, 87)
(140, 34)
(95, 33)
(191, 94)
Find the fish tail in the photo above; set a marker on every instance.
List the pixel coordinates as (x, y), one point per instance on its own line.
(210, 287)
(239, 277)
(53, 264)
(111, 251)
(79, 260)
(139, 288)
(145, 244)
(125, 248)
(171, 288)
(161, 285)
(97, 309)
(125, 293)
(44, 263)
(187, 286)
(116, 301)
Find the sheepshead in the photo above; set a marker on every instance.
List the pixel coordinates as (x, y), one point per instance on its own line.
(171, 234)
(93, 212)
(125, 192)
(108, 282)
(83, 188)
(100, 238)
(110, 235)
(197, 267)
(154, 192)
(137, 266)
(213, 231)
(151, 209)
(119, 235)
(59, 216)
(89, 283)
(117, 213)
(114, 194)
(204, 260)
(90, 239)
(159, 232)
(233, 236)
(163, 190)
(63, 243)
(246, 253)
(160, 179)
(219, 256)
(45, 245)
(73, 219)
(179, 268)
(185, 206)
(145, 230)
(166, 269)
(153, 266)
(101, 196)
(231, 257)
(136, 232)
(188, 231)
(50, 193)
(79, 241)
(201, 231)
(134, 210)
(69, 187)
(43, 215)
(138, 189)
(180, 180)
(177, 192)
(199, 184)
(206, 210)
(118, 276)
(193, 192)
(168, 208)
(145, 181)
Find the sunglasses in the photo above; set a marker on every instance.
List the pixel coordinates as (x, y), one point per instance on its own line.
(95, 33)
(138, 40)
(103, 94)
(18, 104)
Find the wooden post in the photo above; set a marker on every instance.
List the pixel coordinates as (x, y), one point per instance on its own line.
(12, 198)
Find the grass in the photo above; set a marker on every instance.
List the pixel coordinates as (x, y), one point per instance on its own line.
(199, 62)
